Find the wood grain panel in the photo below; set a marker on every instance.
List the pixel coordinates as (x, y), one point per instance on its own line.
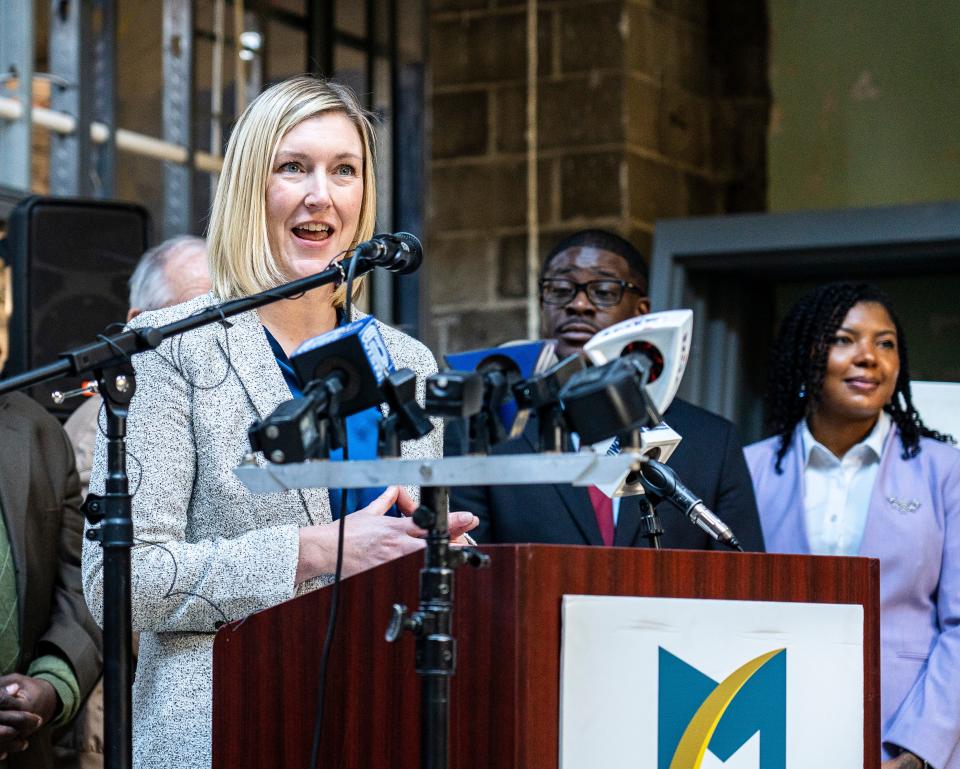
(505, 696)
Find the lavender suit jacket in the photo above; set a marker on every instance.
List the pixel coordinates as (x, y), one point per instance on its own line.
(913, 527)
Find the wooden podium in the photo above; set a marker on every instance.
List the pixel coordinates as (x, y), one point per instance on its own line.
(505, 694)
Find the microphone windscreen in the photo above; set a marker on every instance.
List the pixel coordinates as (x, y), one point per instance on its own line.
(411, 261)
(356, 354)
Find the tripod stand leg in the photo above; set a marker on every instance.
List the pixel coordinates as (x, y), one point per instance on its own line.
(117, 656)
(436, 649)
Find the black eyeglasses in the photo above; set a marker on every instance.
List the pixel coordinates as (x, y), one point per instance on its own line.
(601, 293)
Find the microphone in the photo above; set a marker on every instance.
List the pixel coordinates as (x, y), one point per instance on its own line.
(663, 338)
(516, 361)
(341, 373)
(400, 252)
(601, 402)
(611, 408)
(662, 481)
(355, 354)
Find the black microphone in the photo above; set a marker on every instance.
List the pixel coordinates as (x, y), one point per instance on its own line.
(355, 354)
(400, 252)
(662, 481)
(341, 373)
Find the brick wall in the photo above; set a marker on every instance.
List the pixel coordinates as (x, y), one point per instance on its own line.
(647, 109)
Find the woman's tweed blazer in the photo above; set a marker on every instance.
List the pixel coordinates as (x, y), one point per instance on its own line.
(220, 552)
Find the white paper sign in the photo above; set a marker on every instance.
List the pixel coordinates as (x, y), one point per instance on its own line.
(663, 683)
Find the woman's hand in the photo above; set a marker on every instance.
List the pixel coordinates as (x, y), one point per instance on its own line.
(905, 760)
(458, 523)
(370, 537)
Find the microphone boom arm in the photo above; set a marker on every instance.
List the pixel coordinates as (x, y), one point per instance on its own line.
(117, 349)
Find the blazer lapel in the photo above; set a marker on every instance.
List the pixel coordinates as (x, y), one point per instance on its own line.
(246, 347)
(876, 529)
(628, 522)
(575, 499)
(15, 451)
(784, 522)
(244, 344)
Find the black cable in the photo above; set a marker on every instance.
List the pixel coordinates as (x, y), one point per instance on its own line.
(338, 572)
(170, 593)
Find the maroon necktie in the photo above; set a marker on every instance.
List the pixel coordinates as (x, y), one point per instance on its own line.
(603, 509)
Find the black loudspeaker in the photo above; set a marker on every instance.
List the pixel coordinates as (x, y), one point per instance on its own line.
(71, 260)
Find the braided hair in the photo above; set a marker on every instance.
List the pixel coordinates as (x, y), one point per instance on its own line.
(798, 364)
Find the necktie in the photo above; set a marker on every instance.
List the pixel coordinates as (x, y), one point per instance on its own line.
(603, 509)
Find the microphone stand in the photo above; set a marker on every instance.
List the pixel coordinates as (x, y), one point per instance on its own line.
(117, 385)
(432, 624)
(436, 648)
(650, 527)
(109, 360)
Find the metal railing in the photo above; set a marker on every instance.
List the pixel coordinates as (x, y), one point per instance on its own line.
(128, 141)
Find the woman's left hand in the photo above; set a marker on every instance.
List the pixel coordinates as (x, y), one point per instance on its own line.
(458, 522)
(905, 760)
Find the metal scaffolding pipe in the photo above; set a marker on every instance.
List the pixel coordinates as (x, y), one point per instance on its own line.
(128, 141)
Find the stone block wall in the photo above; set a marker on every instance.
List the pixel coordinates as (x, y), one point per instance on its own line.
(646, 109)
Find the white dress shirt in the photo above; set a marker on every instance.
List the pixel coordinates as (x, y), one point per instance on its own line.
(836, 492)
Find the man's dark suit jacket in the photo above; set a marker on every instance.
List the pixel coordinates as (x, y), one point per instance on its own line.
(40, 496)
(709, 461)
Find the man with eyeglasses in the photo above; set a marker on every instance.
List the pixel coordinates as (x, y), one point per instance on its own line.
(592, 280)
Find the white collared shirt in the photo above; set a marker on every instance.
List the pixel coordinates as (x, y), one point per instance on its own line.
(836, 495)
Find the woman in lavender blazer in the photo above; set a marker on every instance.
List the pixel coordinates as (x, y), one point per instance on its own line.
(851, 469)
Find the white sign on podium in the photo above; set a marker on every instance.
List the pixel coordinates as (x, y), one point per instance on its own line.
(663, 683)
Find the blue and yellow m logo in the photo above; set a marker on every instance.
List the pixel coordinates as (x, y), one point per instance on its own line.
(697, 713)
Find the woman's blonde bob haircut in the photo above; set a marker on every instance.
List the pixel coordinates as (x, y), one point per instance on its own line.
(239, 250)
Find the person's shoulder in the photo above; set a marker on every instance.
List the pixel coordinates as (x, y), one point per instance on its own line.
(765, 444)
(83, 420)
(25, 415)
(764, 448)
(165, 315)
(16, 405)
(406, 351)
(681, 413)
(197, 343)
(944, 454)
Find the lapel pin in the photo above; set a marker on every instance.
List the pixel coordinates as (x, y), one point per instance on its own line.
(904, 506)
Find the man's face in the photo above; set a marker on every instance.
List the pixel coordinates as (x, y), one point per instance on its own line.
(574, 322)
